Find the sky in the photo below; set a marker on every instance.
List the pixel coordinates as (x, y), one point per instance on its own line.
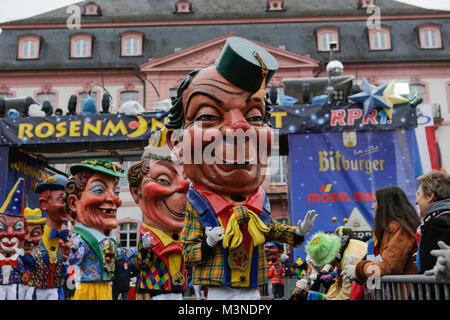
(19, 9)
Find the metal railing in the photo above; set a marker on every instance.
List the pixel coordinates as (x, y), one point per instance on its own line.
(409, 287)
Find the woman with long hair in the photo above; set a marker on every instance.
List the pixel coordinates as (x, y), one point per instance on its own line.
(396, 221)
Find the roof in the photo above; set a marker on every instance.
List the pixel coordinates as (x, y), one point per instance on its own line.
(163, 40)
(163, 10)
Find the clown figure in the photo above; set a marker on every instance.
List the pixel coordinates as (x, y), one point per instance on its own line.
(92, 196)
(46, 262)
(224, 142)
(13, 229)
(158, 186)
(36, 223)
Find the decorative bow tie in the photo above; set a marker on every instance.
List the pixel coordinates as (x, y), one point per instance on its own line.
(9, 262)
(63, 234)
(233, 235)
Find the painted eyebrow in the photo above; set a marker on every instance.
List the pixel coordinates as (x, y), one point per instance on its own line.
(205, 93)
(168, 165)
(240, 93)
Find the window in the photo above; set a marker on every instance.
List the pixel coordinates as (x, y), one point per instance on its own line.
(325, 36)
(28, 47)
(92, 9)
(183, 6)
(277, 167)
(366, 3)
(128, 234)
(380, 38)
(430, 36)
(50, 97)
(84, 95)
(275, 5)
(420, 90)
(6, 95)
(131, 44)
(81, 46)
(129, 96)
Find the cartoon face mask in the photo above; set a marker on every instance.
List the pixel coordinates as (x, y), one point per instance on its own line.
(34, 236)
(224, 126)
(98, 204)
(163, 196)
(53, 204)
(12, 234)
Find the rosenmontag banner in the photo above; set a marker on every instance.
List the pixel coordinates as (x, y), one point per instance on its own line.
(337, 173)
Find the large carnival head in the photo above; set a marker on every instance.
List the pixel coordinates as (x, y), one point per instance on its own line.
(13, 226)
(36, 223)
(225, 135)
(92, 194)
(52, 200)
(158, 186)
(273, 250)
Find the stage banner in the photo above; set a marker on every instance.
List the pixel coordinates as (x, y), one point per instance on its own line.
(32, 173)
(337, 174)
(338, 117)
(80, 128)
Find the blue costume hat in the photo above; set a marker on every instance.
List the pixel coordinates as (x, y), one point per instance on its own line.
(55, 182)
(89, 106)
(274, 244)
(13, 205)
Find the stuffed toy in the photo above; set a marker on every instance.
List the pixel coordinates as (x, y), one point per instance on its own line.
(13, 230)
(441, 270)
(158, 186)
(219, 125)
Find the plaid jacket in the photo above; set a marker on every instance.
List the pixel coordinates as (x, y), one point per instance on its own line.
(212, 269)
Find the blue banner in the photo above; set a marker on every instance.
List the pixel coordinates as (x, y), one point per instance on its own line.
(337, 175)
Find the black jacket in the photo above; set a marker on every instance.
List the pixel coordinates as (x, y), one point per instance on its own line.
(436, 228)
(122, 276)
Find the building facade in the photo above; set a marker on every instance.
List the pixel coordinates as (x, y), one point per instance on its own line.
(142, 49)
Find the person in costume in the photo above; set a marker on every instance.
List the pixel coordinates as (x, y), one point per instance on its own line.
(158, 186)
(92, 196)
(13, 230)
(276, 269)
(36, 223)
(46, 263)
(224, 141)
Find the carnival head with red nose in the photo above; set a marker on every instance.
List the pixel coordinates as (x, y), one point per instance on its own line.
(226, 135)
(13, 225)
(158, 185)
(52, 200)
(92, 194)
(36, 223)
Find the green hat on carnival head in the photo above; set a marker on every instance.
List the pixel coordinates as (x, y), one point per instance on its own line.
(100, 165)
(323, 248)
(246, 65)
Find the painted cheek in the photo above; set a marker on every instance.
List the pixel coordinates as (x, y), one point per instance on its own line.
(155, 190)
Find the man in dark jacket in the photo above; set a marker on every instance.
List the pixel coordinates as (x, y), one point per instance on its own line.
(433, 200)
(121, 284)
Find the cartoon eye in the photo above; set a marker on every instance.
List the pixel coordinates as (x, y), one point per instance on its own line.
(98, 189)
(117, 190)
(19, 226)
(207, 117)
(163, 181)
(255, 119)
(2, 227)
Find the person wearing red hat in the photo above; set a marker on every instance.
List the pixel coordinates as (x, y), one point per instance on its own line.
(13, 229)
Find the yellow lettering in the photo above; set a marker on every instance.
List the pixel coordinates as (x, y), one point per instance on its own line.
(156, 124)
(324, 164)
(95, 129)
(50, 129)
(74, 128)
(25, 130)
(115, 128)
(61, 129)
(278, 118)
(382, 165)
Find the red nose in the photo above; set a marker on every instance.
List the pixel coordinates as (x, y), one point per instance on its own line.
(240, 124)
(183, 186)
